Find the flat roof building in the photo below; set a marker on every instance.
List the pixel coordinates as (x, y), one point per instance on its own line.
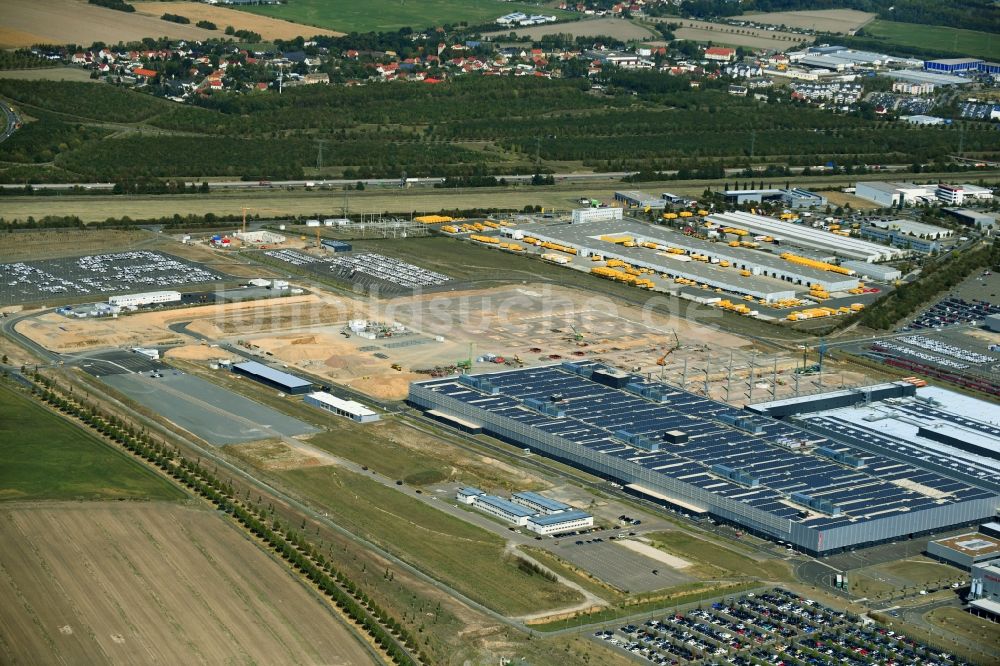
(503, 509)
(985, 591)
(877, 272)
(539, 503)
(806, 236)
(974, 218)
(911, 228)
(595, 215)
(752, 196)
(336, 245)
(348, 408)
(771, 277)
(965, 550)
(896, 238)
(956, 195)
(889, 195)
(952, 65)
(277, 379)
(637, 199)
(145, 298)
(932, 77)
(468, 494)
(991, 529)
(564, 521)
(822, 493)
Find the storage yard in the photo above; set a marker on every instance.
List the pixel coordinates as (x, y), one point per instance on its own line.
(366, 270)
(737, 467)
(98, 275)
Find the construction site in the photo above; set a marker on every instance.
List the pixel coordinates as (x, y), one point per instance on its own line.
(379, 346)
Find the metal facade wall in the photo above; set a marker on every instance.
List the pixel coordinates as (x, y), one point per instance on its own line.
(624, 470)
(872, 531)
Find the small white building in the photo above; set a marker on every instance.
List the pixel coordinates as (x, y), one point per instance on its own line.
(539, 503)
(564, 521)
(596, 215)
(348, 408)
(503, 509)
(468, 494)
(145, 298)
(956, 195)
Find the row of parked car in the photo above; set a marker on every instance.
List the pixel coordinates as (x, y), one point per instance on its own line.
(953, 310)
(777, 627)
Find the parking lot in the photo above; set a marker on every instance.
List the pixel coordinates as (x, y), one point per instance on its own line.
(954, 310)
(216, 415)
(618, 566)
(368, 266)
(118, 362)
(977, 110)
(774, 627)
(121, 272)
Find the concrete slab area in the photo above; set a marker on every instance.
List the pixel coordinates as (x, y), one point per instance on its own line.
(218, 416)
(619, 566)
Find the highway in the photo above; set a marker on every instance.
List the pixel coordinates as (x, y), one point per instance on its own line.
(337, 183)
(11, 121)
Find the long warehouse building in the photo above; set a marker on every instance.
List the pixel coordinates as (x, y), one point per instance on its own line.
(807, 237)
(770, 477)
(780, 277)
(283, 381)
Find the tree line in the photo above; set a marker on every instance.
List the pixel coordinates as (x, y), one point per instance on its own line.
(384, 629)
(936, 277)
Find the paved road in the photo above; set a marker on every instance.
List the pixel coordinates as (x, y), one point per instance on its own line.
(396, 182)
(11, 122)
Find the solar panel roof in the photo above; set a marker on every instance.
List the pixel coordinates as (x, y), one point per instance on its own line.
(594, 415)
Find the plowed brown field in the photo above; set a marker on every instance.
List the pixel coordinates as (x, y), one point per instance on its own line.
(156, 583)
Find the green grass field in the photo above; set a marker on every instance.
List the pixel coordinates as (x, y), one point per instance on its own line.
(464, 556)
(953, 40)
(42, 456)
(386, 15)
(715, 559)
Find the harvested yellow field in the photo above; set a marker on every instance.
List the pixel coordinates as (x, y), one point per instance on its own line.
(609, 27)
(102, 583)
(267, 27)
(722, 34)
(823, 20)
(28, 22)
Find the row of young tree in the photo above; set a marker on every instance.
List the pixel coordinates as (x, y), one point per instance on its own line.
(936, 277)
(385, 630)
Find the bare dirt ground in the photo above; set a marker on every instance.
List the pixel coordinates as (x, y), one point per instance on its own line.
(28, 22)
(843, 198)
(823, 20)
(266, 27)
(63, 334)
(526, 325)
(48, 73)
(124, 584)
(611, 27)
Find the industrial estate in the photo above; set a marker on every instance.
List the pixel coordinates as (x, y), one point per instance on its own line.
(590, 333)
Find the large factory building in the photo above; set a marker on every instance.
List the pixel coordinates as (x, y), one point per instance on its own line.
(773, 478)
